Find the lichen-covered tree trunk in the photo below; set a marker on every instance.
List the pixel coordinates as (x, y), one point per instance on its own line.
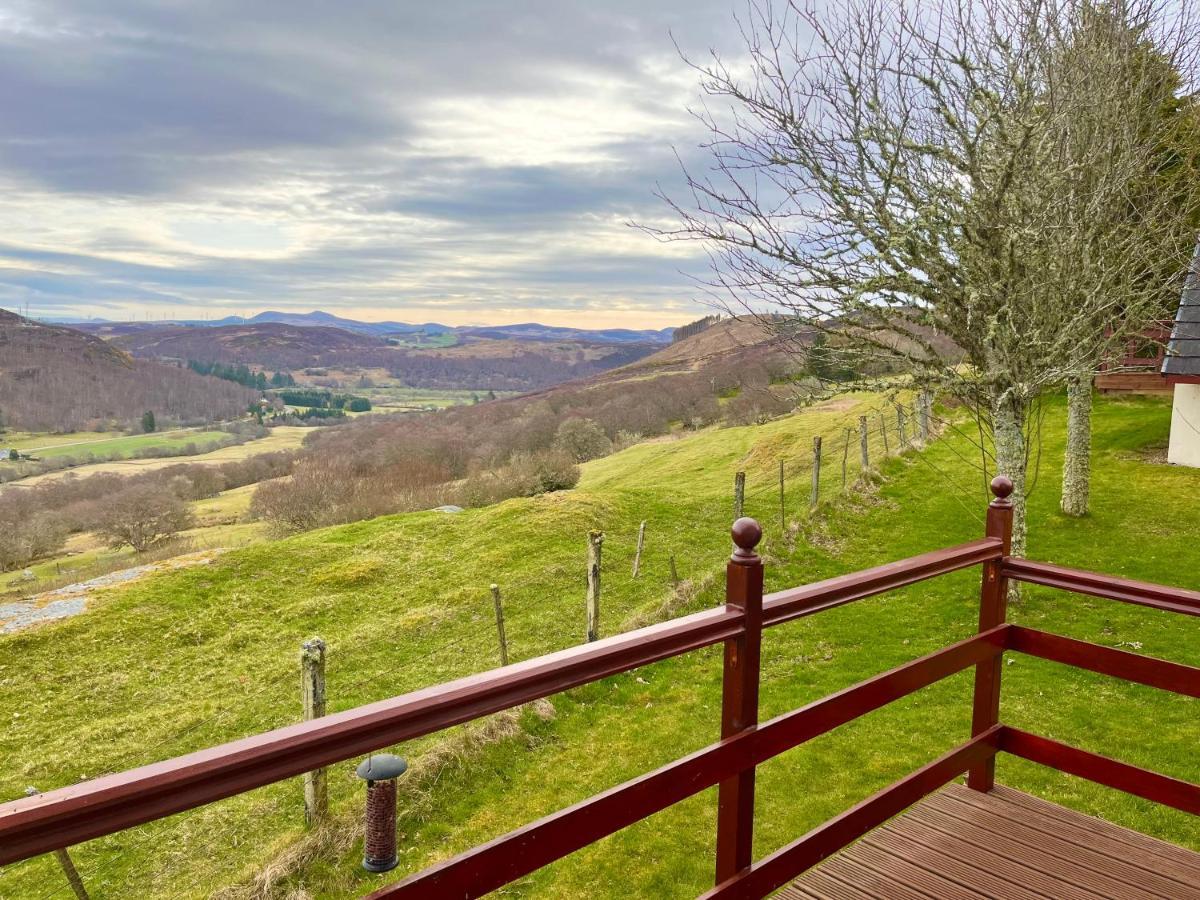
(1077, 466)
(1009, 414)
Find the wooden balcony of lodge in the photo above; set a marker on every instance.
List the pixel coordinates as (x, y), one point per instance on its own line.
(926, 836)
(958, 844)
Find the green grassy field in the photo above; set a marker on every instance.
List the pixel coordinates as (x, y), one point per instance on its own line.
(124, 447)
(184, 660)
(29, 440)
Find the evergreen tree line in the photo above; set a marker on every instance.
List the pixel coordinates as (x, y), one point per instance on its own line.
(241, 374)
(317, 399)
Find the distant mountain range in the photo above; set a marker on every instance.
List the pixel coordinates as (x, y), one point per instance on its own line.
(524, 331)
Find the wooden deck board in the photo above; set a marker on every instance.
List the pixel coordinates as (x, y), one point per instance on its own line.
(959, 844)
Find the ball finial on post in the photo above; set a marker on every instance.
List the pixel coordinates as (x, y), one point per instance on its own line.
(1002, 487)
(746, 535)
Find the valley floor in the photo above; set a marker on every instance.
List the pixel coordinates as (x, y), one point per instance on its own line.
(282, 437)
(183, 660)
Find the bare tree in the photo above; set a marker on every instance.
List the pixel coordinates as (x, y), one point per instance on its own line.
(887, 172)
(144, 516)
(1123, 169)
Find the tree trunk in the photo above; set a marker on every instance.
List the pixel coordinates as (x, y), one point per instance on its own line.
(1077, 468)
(1009, 414)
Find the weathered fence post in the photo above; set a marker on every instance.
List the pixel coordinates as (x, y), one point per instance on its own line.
(883, 431)
(782, 501)
(637, 556)
(845, 457)
(993, 608)
(595, 540)
(739, 494)
(863, 439)
(64, 861)
(312, 691)
(900, 423)
(500, 624)
(925, 408)
(739, 698)
(816, 473)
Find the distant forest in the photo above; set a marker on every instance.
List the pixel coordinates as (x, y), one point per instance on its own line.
(58, 379)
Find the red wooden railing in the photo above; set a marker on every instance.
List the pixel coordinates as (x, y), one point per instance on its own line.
(109, 804)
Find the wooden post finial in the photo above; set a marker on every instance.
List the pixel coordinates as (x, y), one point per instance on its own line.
(746, 535)
(1002, 487)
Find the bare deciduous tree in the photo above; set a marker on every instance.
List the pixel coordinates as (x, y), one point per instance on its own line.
(897, 174)
(144, 516)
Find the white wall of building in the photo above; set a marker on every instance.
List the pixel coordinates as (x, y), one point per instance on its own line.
(1184, 449)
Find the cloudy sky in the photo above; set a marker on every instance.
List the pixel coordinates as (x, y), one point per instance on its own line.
(452, 161)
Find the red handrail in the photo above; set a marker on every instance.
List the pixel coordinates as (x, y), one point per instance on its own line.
(1140, 593)
(794, 603)
(72, 814)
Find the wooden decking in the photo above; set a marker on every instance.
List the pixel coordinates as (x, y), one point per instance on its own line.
(959, 844)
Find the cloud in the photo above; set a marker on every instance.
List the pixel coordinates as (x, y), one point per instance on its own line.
(473, 159)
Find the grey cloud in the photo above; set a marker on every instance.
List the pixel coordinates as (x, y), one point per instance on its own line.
(313, 110)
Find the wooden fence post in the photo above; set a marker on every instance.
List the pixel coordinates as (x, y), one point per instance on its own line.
(845, 457)
(863, 439)
(816, 473)
(782, 501)
(993, 608)
(739, 698)
(883, 431)
(595, 540)
(500, 624)
(637, 556)
(65, 862)
(739, 494)
(312, 691)
(926, 411)
(900, 423)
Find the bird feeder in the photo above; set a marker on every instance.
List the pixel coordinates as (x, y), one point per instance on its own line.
(380, 772)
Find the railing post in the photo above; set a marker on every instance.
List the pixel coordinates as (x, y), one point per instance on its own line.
(993, 608)
(739, 698)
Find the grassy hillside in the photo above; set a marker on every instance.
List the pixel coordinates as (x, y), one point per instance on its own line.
(189, 659)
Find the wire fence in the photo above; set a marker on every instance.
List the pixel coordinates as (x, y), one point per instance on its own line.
(782, 490)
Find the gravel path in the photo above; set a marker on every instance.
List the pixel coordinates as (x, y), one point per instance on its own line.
(64, 602)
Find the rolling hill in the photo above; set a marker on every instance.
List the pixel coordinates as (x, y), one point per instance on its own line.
(317, 319)
(54, 378)
(473, 361)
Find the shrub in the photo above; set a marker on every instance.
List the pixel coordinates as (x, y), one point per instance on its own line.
(143, 516)
(543, 473)
(582, 439)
